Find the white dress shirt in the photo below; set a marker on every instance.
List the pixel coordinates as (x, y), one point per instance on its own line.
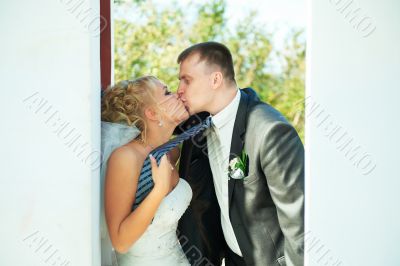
(219, 145)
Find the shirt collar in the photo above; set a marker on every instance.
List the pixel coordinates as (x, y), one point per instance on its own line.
(228, 113)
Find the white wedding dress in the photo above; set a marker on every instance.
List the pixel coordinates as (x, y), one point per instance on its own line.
(159, 245)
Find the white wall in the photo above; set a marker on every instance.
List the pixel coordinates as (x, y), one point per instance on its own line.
(50, 75)
(354, 77)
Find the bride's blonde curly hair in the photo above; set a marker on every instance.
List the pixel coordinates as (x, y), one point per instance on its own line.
(125, 101)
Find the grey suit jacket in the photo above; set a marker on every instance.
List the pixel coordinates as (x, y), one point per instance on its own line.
(266, 208)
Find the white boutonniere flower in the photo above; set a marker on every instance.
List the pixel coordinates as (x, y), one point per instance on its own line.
(237, 166)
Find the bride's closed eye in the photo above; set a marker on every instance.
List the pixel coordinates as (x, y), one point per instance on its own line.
(167, 91)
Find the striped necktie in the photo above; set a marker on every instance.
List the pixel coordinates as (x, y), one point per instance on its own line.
(145, 183)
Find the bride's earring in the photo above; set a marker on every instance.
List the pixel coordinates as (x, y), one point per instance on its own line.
(160, 123)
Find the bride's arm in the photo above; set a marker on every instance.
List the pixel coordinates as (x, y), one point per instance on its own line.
(124, 226)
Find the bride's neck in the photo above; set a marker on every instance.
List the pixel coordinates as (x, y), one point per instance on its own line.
(157, 135)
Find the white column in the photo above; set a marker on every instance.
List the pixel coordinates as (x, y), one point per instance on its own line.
(352, 133)
(50, 132)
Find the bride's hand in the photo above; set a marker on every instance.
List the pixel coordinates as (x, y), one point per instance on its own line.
(174, 110)
(161, 174)
(180, 112)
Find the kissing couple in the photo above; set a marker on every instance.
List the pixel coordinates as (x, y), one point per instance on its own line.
(228, 187)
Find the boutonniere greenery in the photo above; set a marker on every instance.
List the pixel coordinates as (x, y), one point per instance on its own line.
(238, 166)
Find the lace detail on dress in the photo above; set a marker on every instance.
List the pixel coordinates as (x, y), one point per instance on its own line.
(159, 245)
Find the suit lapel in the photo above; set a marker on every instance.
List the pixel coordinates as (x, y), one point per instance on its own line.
(237, 143)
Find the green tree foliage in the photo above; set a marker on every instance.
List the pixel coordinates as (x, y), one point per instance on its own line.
(149, 40)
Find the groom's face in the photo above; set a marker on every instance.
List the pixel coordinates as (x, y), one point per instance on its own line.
(195, 87)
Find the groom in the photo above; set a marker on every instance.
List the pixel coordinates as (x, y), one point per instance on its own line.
(250, 212)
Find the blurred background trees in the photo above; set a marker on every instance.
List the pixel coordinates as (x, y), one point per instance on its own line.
(149, 37)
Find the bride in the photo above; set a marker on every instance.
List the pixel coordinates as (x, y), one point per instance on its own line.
(139, 115)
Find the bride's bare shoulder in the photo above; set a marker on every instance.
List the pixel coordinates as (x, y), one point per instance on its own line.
(127, 155)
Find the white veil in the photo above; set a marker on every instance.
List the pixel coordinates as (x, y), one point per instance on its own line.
(113, 135)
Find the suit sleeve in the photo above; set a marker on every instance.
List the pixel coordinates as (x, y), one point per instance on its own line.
(282, 161)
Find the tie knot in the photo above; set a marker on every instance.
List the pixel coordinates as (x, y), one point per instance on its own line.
(208, 121)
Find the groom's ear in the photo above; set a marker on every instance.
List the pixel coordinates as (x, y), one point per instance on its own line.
(216, 79)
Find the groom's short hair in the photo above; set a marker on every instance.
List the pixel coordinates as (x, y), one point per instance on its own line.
(213, 53)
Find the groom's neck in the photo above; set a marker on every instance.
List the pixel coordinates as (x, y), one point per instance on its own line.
(222, 99)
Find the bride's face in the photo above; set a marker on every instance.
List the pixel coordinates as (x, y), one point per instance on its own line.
(171, 109)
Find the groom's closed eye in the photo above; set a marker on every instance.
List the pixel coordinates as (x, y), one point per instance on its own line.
(184, 79)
